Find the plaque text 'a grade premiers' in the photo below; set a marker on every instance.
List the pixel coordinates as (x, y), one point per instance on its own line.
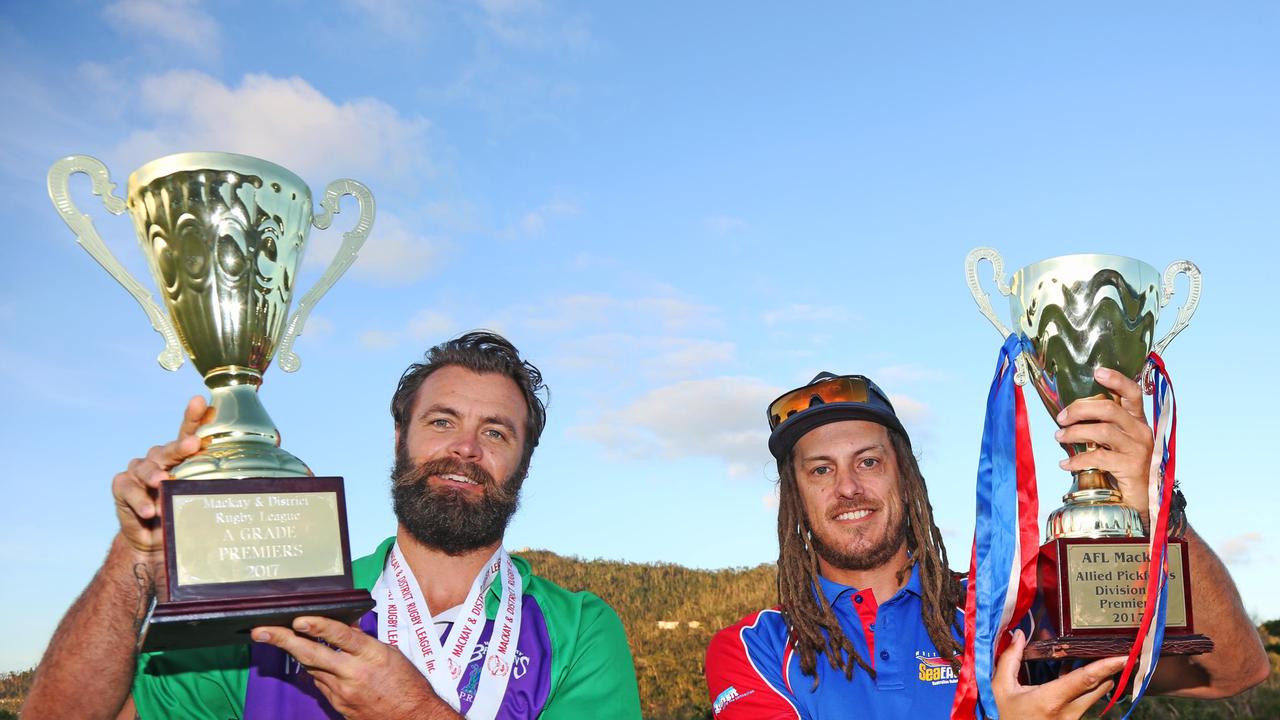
(241, 537)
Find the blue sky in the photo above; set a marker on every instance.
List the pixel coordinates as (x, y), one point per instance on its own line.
(676, 210)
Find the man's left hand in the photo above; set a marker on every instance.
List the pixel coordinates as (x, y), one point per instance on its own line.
(360, 676)
(1119, 429)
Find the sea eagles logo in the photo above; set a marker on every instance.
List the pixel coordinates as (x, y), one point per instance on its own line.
(934, 670)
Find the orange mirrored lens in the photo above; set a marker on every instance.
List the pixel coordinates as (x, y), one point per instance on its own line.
(849, 388)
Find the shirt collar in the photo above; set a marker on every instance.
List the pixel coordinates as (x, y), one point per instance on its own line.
(833, 590)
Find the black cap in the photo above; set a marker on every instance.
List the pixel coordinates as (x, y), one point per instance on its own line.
(876, 409)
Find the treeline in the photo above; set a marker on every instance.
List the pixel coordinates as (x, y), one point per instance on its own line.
(13, 689)
(668, 660)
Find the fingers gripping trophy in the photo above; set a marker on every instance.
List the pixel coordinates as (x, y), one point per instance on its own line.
(1098, 572)
(251, 537)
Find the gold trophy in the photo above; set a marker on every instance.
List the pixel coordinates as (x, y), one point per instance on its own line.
(250, 536)
(1074, 314)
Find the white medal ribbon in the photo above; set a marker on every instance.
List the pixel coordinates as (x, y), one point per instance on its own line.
(405, 622)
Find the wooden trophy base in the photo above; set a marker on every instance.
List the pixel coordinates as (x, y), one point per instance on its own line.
(202, 623)
(244, 552)
(1088, 648)
(1093, 591)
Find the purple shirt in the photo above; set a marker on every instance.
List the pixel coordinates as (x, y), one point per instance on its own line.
(280, 688)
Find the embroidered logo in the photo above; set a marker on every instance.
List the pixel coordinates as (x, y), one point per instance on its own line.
(497, 668)
(934, 670)
(726, 697)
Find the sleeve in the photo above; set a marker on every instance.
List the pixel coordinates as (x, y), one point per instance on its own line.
(198, 683)
(600, 679)
(745, 676)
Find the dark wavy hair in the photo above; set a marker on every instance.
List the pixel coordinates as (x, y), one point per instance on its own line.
(812, 625)
(479, 351)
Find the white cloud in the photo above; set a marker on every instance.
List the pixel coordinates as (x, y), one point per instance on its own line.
(916, 416)
(674, 314)
(681, 357)
(425, 326)
(180, 23)
(644, 315)
(529, 24)
(393, 255)
(430, 325)
(404, 19)
(318, 327)
(379, 339)
(887, 376)
(723, 224)
(284, 120)
(771, 499)
(719, 417)
(535, 221)
(635, 356)
(804, 313)
(1241, 549)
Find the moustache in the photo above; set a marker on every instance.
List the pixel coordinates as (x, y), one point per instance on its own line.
(407, 473)
(844, 506)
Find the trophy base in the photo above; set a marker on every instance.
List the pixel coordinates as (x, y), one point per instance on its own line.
(1088, 648)
(203, 623)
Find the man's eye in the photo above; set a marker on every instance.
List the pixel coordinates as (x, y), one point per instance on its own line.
(821, 470)
(868, 463)
(440, 423)
(496, 434)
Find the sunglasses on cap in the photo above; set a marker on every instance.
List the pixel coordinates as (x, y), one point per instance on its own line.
(835, 389)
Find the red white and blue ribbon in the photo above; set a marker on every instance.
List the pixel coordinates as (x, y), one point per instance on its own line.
(1002, 568)
(1145, 653)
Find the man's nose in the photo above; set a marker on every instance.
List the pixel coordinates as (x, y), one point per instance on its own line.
(848, 484)
(466, 446)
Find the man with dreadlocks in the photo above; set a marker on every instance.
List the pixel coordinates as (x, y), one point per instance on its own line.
(869, 623)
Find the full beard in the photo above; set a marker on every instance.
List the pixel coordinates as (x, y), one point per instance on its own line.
(446, 518)
(864, 557)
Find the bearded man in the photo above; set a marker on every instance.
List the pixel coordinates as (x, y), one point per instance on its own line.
(466, 423)
(870, 623)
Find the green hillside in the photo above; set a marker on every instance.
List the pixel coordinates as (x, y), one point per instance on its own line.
(669, 659)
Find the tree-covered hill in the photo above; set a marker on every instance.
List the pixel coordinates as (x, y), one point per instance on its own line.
(668, 658)
(693, 604)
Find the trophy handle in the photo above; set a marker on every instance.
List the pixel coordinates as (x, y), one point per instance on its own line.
(981, 297)
(171, 358)
(352, 240)
(1188, 308)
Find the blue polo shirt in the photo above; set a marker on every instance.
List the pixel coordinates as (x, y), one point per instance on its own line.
(753, 672)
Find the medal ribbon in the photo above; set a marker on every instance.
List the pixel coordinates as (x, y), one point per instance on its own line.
(405, 622)
(1002, 566)
(1145, 653)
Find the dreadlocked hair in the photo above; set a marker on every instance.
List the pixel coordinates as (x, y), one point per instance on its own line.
(812, 623)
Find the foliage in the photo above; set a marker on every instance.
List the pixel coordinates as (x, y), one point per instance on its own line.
(13, 690)
(669, 662)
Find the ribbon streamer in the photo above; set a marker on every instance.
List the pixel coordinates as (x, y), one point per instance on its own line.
(1145, 653)
(1002, 567)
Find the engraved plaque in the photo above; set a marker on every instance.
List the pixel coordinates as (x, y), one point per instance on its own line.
(1107, 586)
(240, 537)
